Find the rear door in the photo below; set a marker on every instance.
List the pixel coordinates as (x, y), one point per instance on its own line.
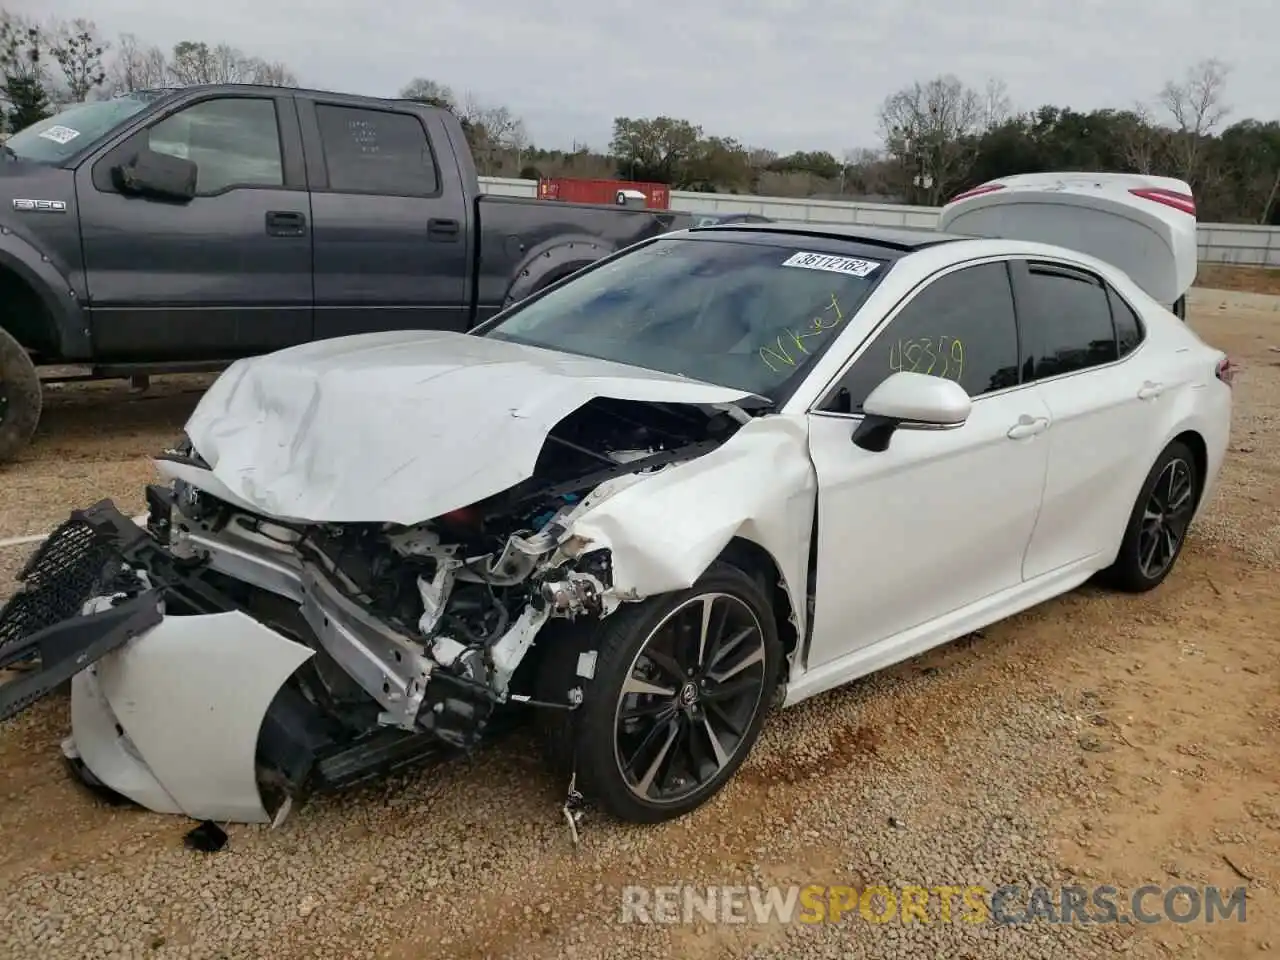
(391, 221)
(1081, 346)
(225, 274)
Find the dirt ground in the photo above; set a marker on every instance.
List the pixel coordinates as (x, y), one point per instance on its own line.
(1097, 739)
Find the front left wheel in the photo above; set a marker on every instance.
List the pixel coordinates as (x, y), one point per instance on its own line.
(681, 687)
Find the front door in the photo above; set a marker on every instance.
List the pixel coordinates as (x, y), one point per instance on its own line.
(942, 518)
(227, 273)
(392, 243)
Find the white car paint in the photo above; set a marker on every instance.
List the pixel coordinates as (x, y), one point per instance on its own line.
(401, 426)
(1111, 216)
(946, 531)
(187, 738)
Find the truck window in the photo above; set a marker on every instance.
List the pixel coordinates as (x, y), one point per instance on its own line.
(376, 151)
(233, 141)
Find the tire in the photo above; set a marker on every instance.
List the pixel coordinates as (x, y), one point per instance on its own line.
(595, 743)
(1180, 308)
(20, 398)
(1130, 572)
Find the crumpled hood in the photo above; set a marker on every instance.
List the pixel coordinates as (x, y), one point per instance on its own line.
(401, 426)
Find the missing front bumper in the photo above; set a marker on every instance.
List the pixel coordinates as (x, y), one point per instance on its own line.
(201, 714)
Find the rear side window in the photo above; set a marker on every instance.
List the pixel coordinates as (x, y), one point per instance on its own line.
(1128, 326)
(376, 151)
(1066, 323)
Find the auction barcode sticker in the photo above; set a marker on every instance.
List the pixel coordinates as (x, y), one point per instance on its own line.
(823, 261)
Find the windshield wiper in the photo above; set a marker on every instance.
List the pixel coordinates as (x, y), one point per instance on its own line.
(8, 151)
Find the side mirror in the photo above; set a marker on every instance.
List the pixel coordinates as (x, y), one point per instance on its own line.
(911, 401)
(156, 175)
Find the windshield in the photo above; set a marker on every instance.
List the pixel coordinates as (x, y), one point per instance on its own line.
(68, 131)
(741, 314)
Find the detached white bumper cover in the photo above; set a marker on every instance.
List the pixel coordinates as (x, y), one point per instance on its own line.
(401, 426)
(190, 696)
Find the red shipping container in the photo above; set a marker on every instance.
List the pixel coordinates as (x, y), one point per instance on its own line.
(570, 190)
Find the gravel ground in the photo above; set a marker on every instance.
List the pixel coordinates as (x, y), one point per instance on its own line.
(1098, 739)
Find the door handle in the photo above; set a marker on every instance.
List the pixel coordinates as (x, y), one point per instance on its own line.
(438, 229)
(1150, 390)
(1028, 426)
(286, 223)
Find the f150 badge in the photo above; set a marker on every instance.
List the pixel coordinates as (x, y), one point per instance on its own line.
(40, 206)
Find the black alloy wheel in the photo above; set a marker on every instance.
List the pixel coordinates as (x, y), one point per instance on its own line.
(1165, 518)
(689, 698)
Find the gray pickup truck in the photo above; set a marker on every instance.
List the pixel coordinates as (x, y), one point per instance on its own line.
(175, 230)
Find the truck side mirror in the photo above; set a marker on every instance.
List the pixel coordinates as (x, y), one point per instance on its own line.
(157, 176)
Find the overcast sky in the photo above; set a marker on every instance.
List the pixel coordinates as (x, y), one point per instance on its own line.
(783, 74)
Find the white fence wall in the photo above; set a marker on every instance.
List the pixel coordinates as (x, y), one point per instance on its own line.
(1219, 242)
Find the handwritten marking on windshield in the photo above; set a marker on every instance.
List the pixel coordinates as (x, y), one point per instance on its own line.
(935, 356)
(829, 319)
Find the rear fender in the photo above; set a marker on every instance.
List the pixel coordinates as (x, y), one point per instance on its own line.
(554, 259)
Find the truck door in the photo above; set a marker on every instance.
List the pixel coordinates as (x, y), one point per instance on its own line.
(225, 274)
(391, 219)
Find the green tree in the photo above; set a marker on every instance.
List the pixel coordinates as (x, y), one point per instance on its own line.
(24, 82)
(656, 150)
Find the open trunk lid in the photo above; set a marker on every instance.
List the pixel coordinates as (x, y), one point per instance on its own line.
(1144, 225)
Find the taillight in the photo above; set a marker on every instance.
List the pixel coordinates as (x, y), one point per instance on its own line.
(1170, 198)
(978, 191)
(1226, 371)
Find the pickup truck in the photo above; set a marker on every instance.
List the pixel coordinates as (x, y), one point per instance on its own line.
(177, 230)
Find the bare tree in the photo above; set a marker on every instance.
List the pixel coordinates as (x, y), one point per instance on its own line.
(78, 53)
(429, 91)
(930, 128)
(495, 129)
(136, 67)
(270, 73)
(1197, 107)
(997, 108)
(1141, 141)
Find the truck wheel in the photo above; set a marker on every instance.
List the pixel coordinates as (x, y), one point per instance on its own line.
(19, 397)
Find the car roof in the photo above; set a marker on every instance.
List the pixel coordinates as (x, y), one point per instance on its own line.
(897, 238)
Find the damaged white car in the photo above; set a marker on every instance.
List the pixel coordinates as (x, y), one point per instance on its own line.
(722, 471)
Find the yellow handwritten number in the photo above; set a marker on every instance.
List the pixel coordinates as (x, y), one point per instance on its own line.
(921, 355)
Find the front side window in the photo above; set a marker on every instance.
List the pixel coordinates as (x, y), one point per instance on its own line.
(233, 141)
(744, 314)
(376, 151)
(961, 327)
(69, 131)
(1066, 323)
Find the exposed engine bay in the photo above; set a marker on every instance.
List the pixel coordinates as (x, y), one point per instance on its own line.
(396, 640)
(433, 620)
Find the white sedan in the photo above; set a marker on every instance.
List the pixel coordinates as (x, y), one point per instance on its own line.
(720, 472)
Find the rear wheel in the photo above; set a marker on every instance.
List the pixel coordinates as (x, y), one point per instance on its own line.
(20, 399)
(681, 688)
(1158, 525)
